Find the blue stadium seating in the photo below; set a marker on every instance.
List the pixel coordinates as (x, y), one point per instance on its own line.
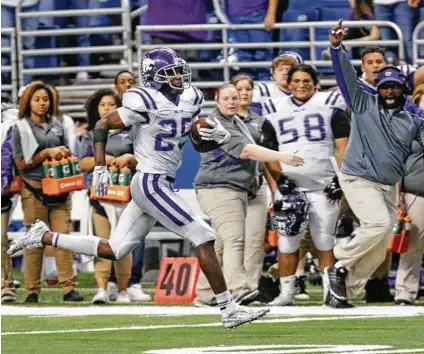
(301, 34)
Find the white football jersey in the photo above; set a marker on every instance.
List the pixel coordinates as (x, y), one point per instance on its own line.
(160, 126)
(306, 130)
(263, 92)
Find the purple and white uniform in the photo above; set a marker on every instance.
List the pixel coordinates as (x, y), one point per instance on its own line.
(160, 125)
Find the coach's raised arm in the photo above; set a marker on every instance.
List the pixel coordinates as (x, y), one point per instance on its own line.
(346, 75)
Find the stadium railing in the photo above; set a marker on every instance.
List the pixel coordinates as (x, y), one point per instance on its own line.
(124, 30)
(10, 53)
(418, 40)
(312, 44)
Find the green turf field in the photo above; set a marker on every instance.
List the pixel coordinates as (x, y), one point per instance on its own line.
(55, 327)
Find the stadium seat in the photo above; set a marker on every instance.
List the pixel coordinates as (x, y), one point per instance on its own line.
(301, 34)
(304, 4)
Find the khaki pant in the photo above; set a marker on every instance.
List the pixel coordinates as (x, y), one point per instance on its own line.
(6, 261)
(102, 267)
(375, 206)
(408, 274)
(255, 227)
(59, 219)
(227, 208)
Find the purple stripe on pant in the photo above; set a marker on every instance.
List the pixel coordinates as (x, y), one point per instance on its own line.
(170, 202)
(157, 204)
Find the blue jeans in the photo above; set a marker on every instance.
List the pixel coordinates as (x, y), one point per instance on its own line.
(102, 20)
(28, 24)
(83, 40)
(406, 17)
(249, 36)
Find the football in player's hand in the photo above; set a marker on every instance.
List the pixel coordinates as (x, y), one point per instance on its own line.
(197, 141)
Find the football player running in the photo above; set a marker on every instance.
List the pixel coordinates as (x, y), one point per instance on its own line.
(161, 113)
(315, 125)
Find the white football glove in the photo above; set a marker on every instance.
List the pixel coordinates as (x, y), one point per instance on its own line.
(101, 180)
(218, 133)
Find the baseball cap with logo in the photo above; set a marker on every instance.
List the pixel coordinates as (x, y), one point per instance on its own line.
(390, 73)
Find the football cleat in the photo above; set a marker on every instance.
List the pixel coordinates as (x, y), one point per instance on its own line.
(284, 299)
(335, 303)
(242, 315)
(31, 239)
(335, 279)
(300, 292)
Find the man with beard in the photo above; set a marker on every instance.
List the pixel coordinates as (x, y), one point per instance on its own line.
(381, 135)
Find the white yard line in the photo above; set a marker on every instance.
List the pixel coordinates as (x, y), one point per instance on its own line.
(191, 310)
(214, 324)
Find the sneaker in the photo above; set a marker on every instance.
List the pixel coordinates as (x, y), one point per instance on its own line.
(284, 299)
(403, 303)
(112, 291)
(101, 297)
(243, 315)
(123, 297)
(199, 303)
(246, 296)
(15, 284)
(32, 298)
(335, 303)
(137, 294)
(73, 296)
(31, 239)
(336, 281)
(7, 295)
(300, 292)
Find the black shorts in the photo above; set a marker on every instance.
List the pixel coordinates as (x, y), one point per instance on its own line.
(6, 203)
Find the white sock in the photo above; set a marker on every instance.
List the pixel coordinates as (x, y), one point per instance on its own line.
(300, 273)
(78, 244)
(287, 284)
(226, 303)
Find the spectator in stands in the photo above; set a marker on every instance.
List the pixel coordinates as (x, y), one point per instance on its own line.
(253, 12)
(402, 12)
(44, 139)
(368, 179)
(105, 215)
(8, 20)
(412, 200)
(83, 40)
(123, 81)
(256, 214)
(9, 116)
(181, 12)
(362, 10)
(222, 185)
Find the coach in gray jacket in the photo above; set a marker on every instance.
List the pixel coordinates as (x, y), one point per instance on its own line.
(381, 135)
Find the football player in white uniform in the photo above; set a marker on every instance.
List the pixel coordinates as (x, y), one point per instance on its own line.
(280, 67)
(161, 113)
(315, 124)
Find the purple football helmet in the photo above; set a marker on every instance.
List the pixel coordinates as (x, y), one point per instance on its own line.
(164, 66)
(290, 214)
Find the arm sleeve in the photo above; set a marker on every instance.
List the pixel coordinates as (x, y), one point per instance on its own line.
(237, 142)
(348, 81)
(136, 107)
(340, 124)
(16, 144)
(269, 137)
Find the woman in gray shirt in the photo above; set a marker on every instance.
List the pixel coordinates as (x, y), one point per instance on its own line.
(222, 185)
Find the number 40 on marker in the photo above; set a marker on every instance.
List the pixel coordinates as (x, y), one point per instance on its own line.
(177, 280)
